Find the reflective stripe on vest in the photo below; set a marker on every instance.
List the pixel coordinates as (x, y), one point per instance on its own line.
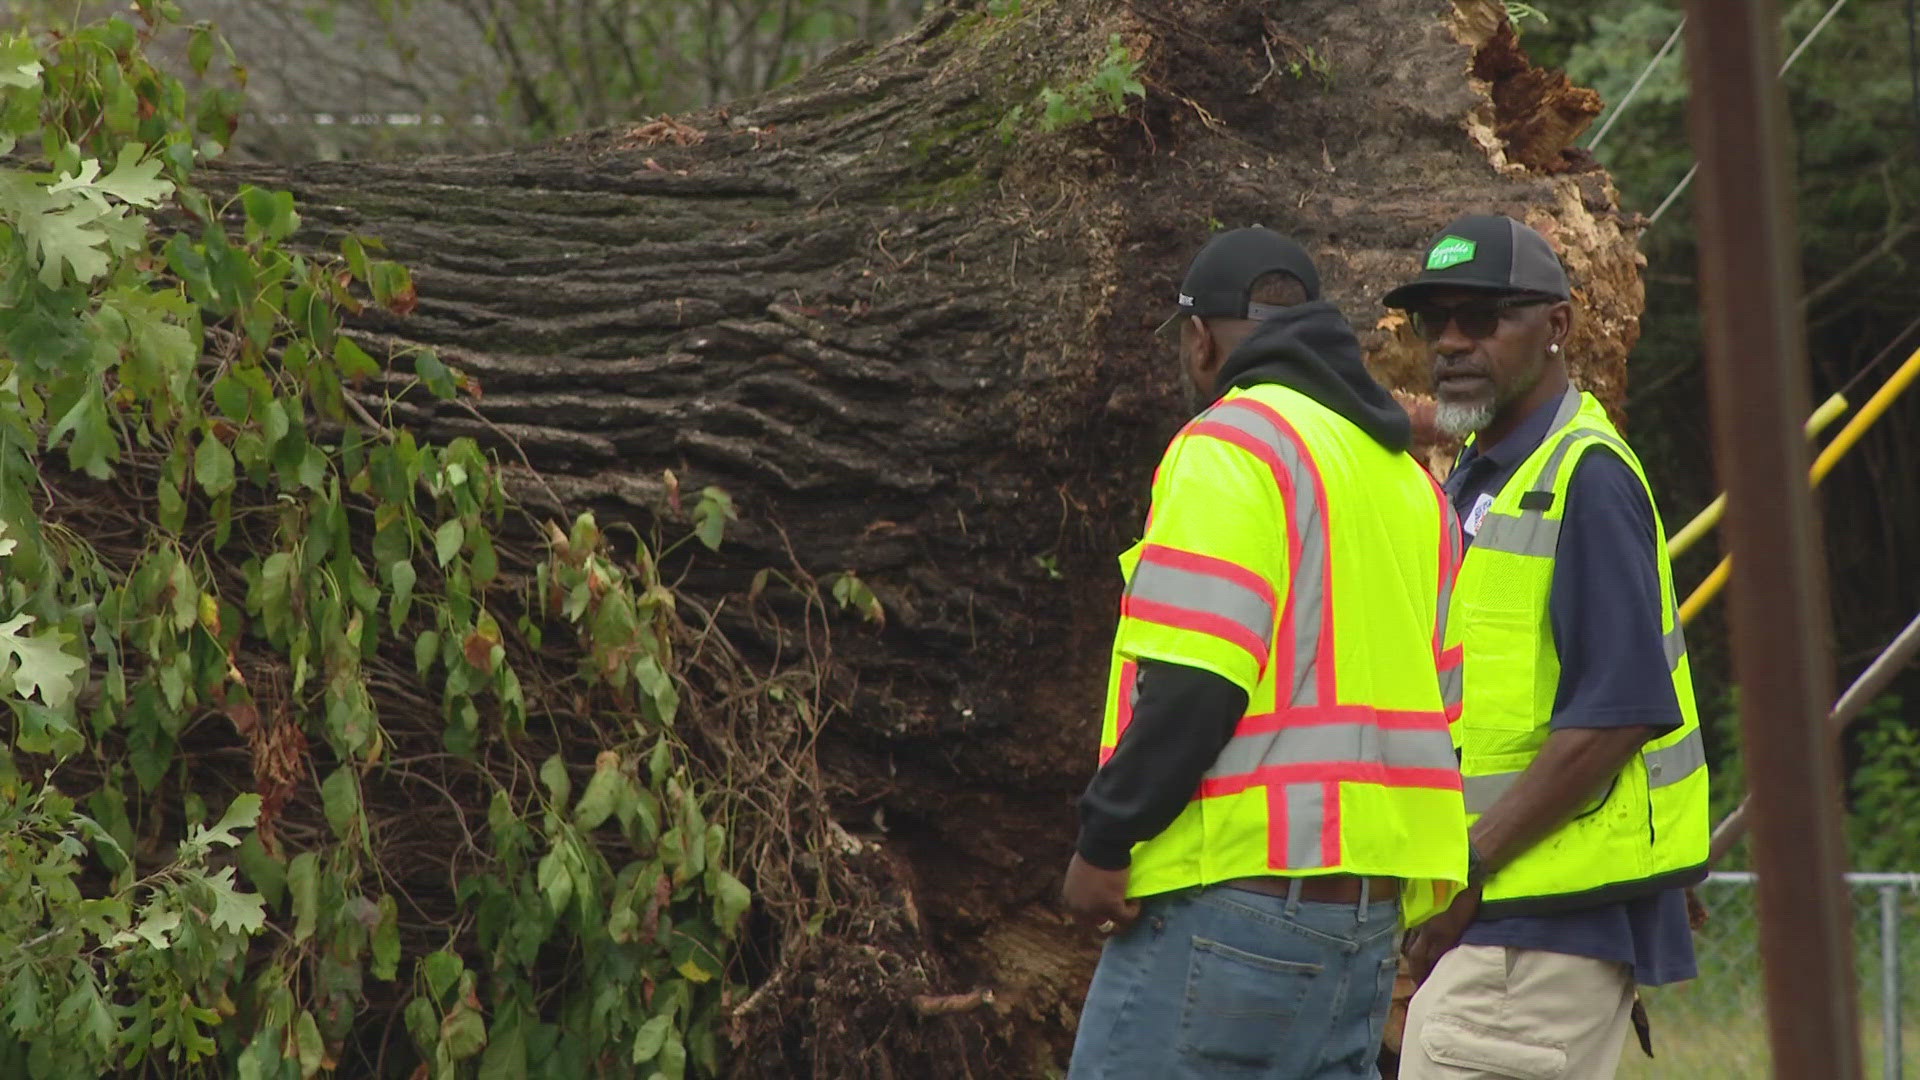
(1213, 596)
(1668, 765)
(1306, 632)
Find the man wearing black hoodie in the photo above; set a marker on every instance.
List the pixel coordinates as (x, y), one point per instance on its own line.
(1278, 793)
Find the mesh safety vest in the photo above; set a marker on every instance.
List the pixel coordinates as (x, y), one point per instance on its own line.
(1292, 555)
(1648, 830)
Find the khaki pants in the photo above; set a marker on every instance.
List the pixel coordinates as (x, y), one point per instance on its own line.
(1493, 1013)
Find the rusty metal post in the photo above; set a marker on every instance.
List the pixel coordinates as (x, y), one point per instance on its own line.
(1757, 378)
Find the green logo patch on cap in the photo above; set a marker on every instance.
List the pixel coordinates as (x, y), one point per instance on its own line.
(1450, 251)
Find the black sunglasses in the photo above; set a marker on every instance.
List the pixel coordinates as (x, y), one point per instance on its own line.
(1476, 318)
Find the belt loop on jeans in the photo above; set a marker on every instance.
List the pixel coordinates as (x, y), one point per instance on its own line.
(1360, 912)
(1293, 897)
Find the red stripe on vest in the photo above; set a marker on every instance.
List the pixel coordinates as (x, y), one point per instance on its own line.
(1192, 562)
(1312, 715)
(1324, 667)
(1330, 825)
(1336, 772)
(1203, 622)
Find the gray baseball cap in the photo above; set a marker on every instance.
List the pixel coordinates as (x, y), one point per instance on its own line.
(1489, 252)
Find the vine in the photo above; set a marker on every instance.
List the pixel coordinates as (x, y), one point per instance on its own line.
(241, 608)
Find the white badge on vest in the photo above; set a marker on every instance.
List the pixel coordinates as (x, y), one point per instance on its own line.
(1479, 514)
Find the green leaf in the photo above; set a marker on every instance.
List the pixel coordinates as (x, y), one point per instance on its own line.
(303, 882)
(434, 375)
(386, 941)
(401, 574)
(340, 798)
(241, 813)
(353, 360)
(553, 773)
(313, 469)
(673, 1058)
(43, 665)
(266, 873)
(443, 970)
(200, 49)
(506, 1056)
(242, 913)
(213, 465)
(274, 423)
(95, 443)
(730, 900)
(650, 1038)
(270, 212)
(692, 957)
(555, 879)
(135, 181)
(448, 539)
(711, 514)
(601, 796)
(486, 564)
(19, 63)
(230, 394)
(23, 1000)
(662, 701)
(173, 509)
(356, 256)
(463, 1033)
(307, 1048)
(426, 648)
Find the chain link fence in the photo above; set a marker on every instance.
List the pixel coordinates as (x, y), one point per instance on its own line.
(1715, 1027)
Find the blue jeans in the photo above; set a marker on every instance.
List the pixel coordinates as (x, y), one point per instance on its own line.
(1224, 982)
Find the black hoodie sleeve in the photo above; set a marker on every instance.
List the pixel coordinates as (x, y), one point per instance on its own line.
(1182, 719)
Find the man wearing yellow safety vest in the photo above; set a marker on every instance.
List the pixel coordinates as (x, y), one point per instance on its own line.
(1277, 780)
(1586, 783)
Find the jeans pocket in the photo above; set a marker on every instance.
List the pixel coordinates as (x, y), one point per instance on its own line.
(1239, 1008)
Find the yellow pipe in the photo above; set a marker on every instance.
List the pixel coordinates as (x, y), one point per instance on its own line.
(1876, 406)
(1705, 520)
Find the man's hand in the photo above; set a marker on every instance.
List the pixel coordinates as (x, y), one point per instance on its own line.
(1433, 938)
(1098, 898)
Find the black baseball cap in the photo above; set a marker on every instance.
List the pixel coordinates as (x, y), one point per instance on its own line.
(1490, 252)
(1221, 277)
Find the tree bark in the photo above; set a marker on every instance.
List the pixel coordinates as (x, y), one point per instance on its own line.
(918, 351)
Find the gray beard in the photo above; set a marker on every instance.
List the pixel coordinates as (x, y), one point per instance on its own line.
(1459, 419)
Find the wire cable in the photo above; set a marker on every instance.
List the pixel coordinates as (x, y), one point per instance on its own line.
(1634, 90)
(1913, 68)
(1899, 340)
(1687, 180)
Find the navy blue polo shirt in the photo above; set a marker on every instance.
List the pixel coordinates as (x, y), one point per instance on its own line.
(1605, 611)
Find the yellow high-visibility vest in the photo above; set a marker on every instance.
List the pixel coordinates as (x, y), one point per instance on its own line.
(1648, 830)
(1343, 762)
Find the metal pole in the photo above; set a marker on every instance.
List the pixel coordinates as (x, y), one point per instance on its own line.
(1890, 981)
(1757, 378)
(1851, 704)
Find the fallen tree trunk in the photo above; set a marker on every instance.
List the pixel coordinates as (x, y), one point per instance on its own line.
(909, 337)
